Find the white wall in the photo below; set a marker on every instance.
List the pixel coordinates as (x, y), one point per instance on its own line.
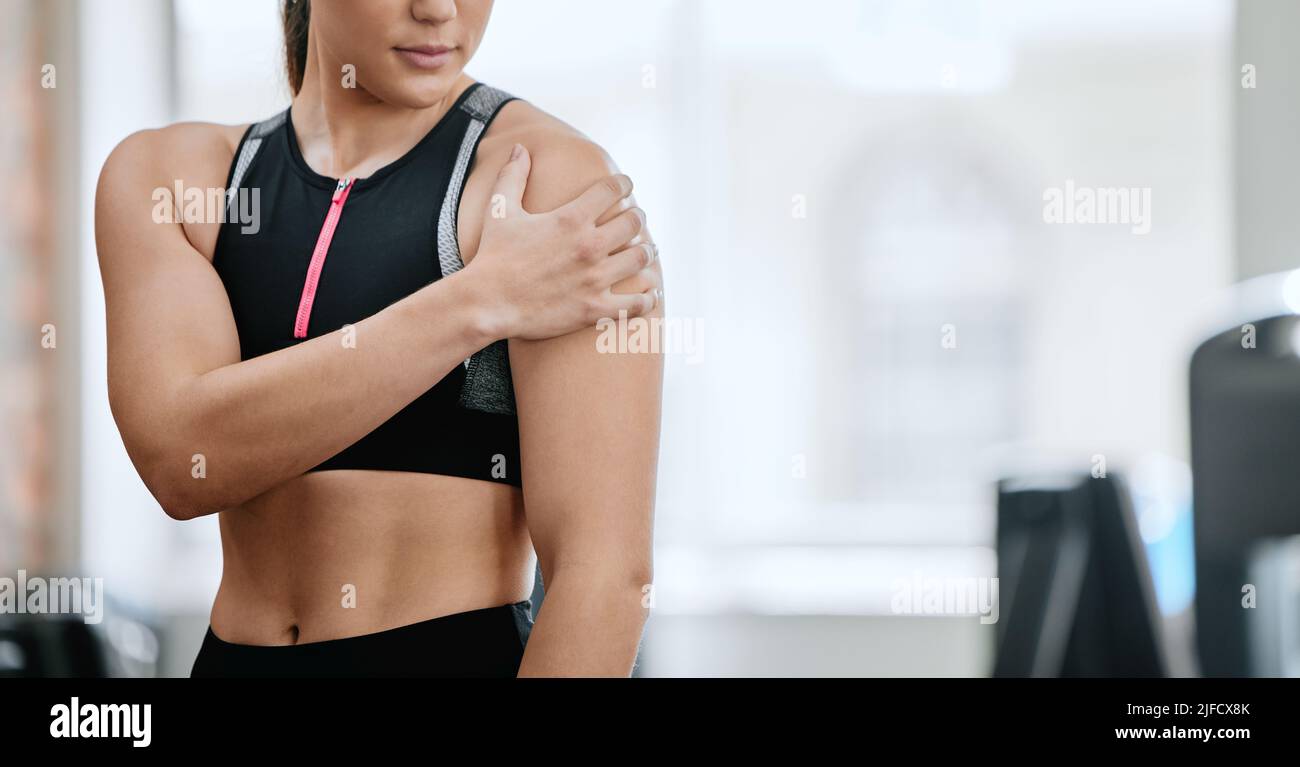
(126, 84)
(1267, 119)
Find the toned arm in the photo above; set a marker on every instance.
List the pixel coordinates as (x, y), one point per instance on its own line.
(589, 435)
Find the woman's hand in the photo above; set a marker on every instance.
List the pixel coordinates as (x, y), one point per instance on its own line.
(548, 275)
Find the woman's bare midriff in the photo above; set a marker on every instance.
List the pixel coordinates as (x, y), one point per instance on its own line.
(336, 554)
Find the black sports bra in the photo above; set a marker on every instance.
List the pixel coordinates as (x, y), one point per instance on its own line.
(325, 253)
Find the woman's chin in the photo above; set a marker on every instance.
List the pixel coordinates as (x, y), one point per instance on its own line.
(421, 92)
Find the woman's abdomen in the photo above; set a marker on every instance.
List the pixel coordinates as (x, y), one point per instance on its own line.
(334, 554)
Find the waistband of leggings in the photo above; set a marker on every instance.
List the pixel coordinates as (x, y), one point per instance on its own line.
(520, 612)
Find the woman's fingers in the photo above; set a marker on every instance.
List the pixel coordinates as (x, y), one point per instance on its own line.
(623, 265)
(635, 304)
(621, 229)
(600, 197)
(629, 262)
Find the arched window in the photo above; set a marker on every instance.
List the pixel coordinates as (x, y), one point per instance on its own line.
(926, 359)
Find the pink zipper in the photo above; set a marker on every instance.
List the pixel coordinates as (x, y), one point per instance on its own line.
(318, 256)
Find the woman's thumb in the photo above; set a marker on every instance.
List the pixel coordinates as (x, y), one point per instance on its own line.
(513, 178)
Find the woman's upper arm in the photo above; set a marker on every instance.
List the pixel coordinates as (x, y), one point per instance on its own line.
(167, 314)
(588, 421)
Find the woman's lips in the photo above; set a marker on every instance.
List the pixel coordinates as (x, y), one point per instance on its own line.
(426, 56)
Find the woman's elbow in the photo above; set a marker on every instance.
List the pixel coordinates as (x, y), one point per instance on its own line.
(175, 505)
(178, 482)
(174, 475)
(182, 497)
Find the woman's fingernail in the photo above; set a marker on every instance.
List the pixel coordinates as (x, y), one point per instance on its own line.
(517, 152)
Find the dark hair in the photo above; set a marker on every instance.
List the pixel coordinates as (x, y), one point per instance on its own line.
(295, 15)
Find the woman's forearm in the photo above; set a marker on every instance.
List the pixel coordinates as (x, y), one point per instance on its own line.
(257, 423)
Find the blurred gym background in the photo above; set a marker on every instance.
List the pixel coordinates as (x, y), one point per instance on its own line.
(898, 378)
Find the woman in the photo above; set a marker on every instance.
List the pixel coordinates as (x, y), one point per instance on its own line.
(331, 374)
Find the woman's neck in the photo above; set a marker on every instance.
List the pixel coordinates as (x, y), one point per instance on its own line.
(346, 131)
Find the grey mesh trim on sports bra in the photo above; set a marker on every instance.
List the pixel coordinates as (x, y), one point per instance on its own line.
(488, 385)
(246, 154)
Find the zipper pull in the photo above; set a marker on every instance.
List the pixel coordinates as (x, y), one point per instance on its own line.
(342, 187)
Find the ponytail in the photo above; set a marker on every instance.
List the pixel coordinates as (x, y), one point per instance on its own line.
(296, 15)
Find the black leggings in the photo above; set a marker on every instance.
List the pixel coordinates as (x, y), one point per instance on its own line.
(480, 643)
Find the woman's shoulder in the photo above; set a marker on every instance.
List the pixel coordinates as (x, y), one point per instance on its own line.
(565, 163)
(194, 153)
(145, 168)
(564, 160)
